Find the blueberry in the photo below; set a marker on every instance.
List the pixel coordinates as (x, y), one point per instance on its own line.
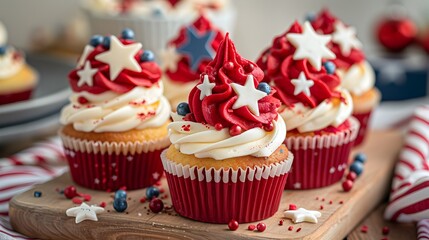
(310, 16)
(264, 87)
(127, 33)
(120, 204)
(357, 167)
(3, 50)
(120, 194)
(330, 67)
(106, 42)
(37, 194)
(360, 157)
(147, 56)
(152, 192)
(183, 109)
(96, 40)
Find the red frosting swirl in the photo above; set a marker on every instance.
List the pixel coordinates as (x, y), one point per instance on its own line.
(325, 23)
(184, 73)
(281, 69)
(229, 67)
(126, 80)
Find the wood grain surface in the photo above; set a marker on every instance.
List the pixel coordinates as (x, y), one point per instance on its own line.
(45, 217)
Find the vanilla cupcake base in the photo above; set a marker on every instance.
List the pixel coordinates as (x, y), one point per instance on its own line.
(18, 87)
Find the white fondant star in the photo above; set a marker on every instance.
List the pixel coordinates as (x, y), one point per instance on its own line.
(86, 51)
(310, 45)
(248, 95)
(120, 57)
(346, 38)
(302, 84)
(302, 215)
(170, 58)
(86, 74)
(206, 87)
(84, 212)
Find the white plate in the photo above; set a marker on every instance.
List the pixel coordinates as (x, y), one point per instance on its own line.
(50, 95)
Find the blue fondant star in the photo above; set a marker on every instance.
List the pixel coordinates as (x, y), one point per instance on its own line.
(198, 47)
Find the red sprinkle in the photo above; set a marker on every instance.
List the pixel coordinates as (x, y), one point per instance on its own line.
(290, 228)
(341, 202)
(142, 200)
(86, 197)
(364, 229)
(321, 207)
(77, 200)
(347, 185)
(233, 225)
(248, 68)
(82, 100)
(269, 127)
(218, 126)
(385, 230)
(317, 198)
(228, 65)
(70, 192)
(323, 199)
(251, 227)
(292, 207)
(330, 202)
(351, 176)
(103, 204)
(235, 130)
(161, 190)
(298, 230)
(281, 222)
(261, 227)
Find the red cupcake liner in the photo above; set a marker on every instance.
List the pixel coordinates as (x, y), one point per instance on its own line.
(110, 166)
(363, 119)
(6, 98)
(322, 159)
(217, 196)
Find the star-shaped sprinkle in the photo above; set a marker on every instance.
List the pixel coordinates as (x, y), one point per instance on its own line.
(170, 58)
(310, 45)
(86, 51)
(120, 57)
(346, 38)
(84, 212)
(197, 47)
(248, 95)
(86, 74)
(302, 215)
(206, 87)
(302, 84)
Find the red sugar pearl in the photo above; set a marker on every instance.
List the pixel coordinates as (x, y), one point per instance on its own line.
(233, 225)
(70, 192)
(77, 200)
(347, 185)
(385, 230)
(261, 227)
(321, 207)
(218, 126)
(82, 100)
(103, 204)
(269, 127)
(292, 207)
(281, 222)
(249, 68)
(290, 228)
(228, 65)
(156, 205)
(351, 176)
(251, 227)
(235, 130)
(364, 229)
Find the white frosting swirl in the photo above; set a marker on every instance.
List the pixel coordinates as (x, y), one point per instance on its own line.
(306, 119)
(9, 64)
(112, 112)
(204, 141)
(358, 79)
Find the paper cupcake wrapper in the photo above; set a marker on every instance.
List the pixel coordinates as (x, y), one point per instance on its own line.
(217, 196)
(322, 159)
(15, 97)
(110, 166)
(363, 119)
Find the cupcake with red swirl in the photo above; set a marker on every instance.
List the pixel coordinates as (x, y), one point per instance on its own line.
(315, 107)
(357, 75)
(115, 127)
(186, 57)
(227, 159)
(17, 78)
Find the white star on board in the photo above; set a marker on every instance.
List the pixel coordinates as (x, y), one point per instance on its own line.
(84, 212)
(311, 46)
(302, 215)
(86, 74)
(302, 84)
(248, 95)
(206, 87)
(86, 51)
(120, 57)
(170, 58)
(346, 38)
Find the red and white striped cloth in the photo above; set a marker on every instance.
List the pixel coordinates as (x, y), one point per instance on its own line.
(423, 229)
(19, 172)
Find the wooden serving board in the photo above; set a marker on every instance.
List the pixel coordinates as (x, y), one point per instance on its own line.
(45, 217)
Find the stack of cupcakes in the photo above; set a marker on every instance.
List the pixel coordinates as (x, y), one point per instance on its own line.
(227, 159)
(186, 57)
(17, 79)
(116, 124)
(315, 108)
(357, 75)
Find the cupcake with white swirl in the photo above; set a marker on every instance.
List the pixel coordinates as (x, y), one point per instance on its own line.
(116, 124)
(227, 145)
(316, 109)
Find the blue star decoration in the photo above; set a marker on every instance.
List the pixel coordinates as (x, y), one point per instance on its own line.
(198, 47)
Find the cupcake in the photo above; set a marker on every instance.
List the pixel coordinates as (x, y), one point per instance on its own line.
(315, 107)
(156, 21)
(115, 127)
(17, 78)
(357, 75)
(227, 159)
(186, 57)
